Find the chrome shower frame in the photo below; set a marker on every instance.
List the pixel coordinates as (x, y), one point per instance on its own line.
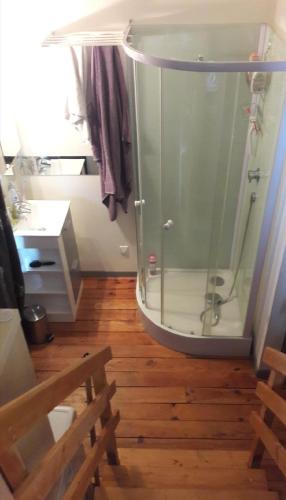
(202, 65)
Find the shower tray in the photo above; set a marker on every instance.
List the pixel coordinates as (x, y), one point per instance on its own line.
(181, 327)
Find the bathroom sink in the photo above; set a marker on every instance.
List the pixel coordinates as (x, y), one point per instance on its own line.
(45, 219)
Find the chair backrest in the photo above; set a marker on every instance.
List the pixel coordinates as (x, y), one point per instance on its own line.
(273, 405)
(18, 416)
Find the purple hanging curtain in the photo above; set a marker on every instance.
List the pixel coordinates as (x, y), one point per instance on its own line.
(107, 110)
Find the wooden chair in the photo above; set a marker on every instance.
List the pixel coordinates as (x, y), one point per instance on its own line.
(20, 415)
(273, 405)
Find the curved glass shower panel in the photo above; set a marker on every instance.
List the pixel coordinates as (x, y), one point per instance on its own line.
(260, 154)
(137, 177)
(206, 143)
(222, 309)
(204, 131)
(186, 198)
(197, 42)
(148, 159)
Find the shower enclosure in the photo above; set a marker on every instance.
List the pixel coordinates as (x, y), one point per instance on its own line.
(207, 102)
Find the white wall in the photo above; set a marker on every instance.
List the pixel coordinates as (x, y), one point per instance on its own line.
(280, 16)
(119, 12)
(30, 76)
(40, 114)
(25, 77)
(33, 96)
(24, 24)
(97, 238)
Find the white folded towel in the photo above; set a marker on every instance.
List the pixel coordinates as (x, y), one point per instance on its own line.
(76, 73)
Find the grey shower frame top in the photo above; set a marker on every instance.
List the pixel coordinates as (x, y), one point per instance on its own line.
(200, 66)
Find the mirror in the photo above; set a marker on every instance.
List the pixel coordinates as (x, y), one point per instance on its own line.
(36, 136)
(49, 165)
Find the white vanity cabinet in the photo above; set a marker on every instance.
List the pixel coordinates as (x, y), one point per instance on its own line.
(47, 234)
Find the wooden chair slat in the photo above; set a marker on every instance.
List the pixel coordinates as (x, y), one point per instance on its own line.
(37, 402)
(272, 405)
(272, 401)
(92, 432)
(275, 360)
(111, 448)
(270, 441)
(81, 480)
(50, 468)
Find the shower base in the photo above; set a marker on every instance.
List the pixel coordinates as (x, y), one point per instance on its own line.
(184, 300)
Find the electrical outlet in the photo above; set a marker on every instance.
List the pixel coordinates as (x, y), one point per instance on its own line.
(124, 250)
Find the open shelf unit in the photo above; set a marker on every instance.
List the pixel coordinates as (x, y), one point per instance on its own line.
(57, 287)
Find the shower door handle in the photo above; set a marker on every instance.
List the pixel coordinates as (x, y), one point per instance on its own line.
(139, 203)
(168, 224)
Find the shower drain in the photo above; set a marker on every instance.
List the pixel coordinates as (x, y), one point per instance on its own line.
(217, 280)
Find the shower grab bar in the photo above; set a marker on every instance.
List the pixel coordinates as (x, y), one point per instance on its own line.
(168, 225)
(139, 203)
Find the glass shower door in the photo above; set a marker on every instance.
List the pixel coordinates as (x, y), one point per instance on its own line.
(203, 138)
(192, 111)
(136, 158)
(221, 315)
(147, 203)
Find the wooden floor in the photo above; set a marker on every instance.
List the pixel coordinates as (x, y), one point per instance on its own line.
(166, 399)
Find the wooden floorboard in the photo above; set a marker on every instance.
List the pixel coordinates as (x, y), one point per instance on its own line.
(166, 399)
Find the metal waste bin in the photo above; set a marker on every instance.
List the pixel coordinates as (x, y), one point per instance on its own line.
(35, 325)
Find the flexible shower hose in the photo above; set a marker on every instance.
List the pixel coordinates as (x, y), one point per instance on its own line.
(220, 303)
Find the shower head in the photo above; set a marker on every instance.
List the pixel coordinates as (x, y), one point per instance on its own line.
(259, 82)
